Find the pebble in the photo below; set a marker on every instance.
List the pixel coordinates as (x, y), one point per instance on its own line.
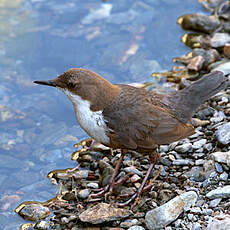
(214, 203)
(221, 157)
(164, 148)
(182, 162)
(41, 225)
(184, 148)
(199, 162)
(199, 144)
(195, 210)
(84, 193)
(168, 212)
(93, 185)
(221, 222)
(223, 134)
(220, 39)
(196, 226)
(136, 227)
(222, 192)
(219, 168)
(208, 146)
(223, 176)
(128, 223)
(133, 170)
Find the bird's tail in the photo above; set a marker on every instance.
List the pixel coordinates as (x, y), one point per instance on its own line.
(191, 97)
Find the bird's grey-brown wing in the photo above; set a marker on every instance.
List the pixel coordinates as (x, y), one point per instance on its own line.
(138, 124)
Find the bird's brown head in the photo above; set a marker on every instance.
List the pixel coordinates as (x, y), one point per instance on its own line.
(86, 84)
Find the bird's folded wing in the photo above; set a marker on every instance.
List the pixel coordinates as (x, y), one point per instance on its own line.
(144, 128)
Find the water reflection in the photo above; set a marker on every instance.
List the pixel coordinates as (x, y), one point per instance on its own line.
(124, 41)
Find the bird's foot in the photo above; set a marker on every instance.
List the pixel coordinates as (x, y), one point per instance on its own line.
(136, 196)
(108, 189)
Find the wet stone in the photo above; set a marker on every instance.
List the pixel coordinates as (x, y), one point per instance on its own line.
(221, 192)
(220, 39)
(199, 22)
(162, 216)
(223, 134)
(33, 211)
(103, 212)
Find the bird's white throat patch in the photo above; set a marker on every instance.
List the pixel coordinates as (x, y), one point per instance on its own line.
(92, 122)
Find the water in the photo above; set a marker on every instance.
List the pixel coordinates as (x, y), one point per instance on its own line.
(124, 41)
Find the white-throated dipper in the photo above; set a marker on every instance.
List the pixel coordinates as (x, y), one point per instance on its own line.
(129, 118)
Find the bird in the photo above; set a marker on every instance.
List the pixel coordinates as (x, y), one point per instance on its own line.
(125, 117)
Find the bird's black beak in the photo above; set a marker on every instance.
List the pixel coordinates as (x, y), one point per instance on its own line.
(49, 83)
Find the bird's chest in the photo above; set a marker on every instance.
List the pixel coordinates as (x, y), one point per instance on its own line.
(92, 122)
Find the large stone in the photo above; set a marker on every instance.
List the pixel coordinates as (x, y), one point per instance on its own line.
(223, 192)
(165, 214)
(103, 212)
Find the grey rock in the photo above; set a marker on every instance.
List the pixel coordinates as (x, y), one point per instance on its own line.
(182, 162)
(196, 226)
(214, 203)
(165, 214)
(93, 185)
(208, 146)
(133, 170)
(164, 148)
(184, 148)
(223, 134)
(83, 194)
(199, 144)
(128, 223)
(221, 157)
(33, 211)
(196, 210)
(219, 39)
(136, 227)
(219, 168)
(221, 222)
(223, 192)
(224, 67)
(223, 176)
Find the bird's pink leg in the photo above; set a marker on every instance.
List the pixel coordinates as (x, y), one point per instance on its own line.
(108, 189)
(154, 156)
